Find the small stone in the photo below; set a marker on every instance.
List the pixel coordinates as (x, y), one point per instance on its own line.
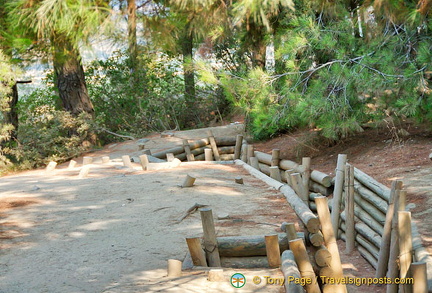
(223, 216)
(34, 188)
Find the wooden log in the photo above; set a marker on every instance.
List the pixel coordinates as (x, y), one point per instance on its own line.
(243, 155)
(126, 161)
(326, 272)
(321, 178)
(144, 161)
(402, 200)
(208, 154)
(51, 166)
(226, 140)
(316, 239)
(275, 157)
(72, 164)
(187, 149)
(303, 263)
(337, 194)
(275, 173)
(170, 157)
(405, 246)
(226, 157)
(189, 181)
(264, 168)
(383, 257)
(371, 197)
(308, 218)
(393, 266)
(249, 153)
(363, 216)
(368, 256)
(290, 231)
(256, 173)
(291, 273)
(273, 251)
(226, 150)
(363, 242)
(349, 209)
(288, 178)
(239, 246)
(378, 188)
(238, 180)
(174, 268)
(263, 157)
(322, 256)
(369, 208)
(330, 240)
(152, 159)
(254, 162)
(84, 172)
(316, 187)
(164, 165)
(87, 160)
(238, 145)
(366, 231)
(180, 149)
(421, 254)
(299, 188)
(196, 251)
(419, 274)
(306, 163)
(209, 238)
(213, 145)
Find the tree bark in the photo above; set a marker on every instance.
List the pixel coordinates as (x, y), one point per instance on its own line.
(69, 77)
(132, 34)
(189, 74)
(257, 44)
(11, 116)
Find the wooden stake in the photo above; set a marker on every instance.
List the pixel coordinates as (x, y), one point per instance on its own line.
(402, 200)
(72, 164)
(84, 172)
(238, 146)
(275, 173)
(393, 267)
(306, 270)
(337, 194)
(275, 157)
(290, 231)
(213, 145)
(209, 238)
(174, 268)
(243, 156)
(288, 176)
(419, 276)
(87, 160)
(238, 180)
(300, 189)
(196, 251)
(126, 161)
(273, 251)
(316, 239)
(254, 162)
(189, 181)
(51, 166)
(144, 161)
(349, 209)
(105, 159)
(323, 256)
(330, 240)
(208, 153)
(170, 157)
(306, 163)
(405, 246)
(291, 273)
(383, 258)
(249, 153)
(187, 150)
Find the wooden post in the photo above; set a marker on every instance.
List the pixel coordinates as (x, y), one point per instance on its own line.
(213, 145)
(196, 251)
(290, 231)
(322, 256)
(402, 200)
(316, 239)
(273, 251)
(170, 157)
(306, 163)
(209, 238)
(208, 154)
(126, 161)
(238, 180)
(393, 267)
(189, 181)
(337, 194)
(349, 209)
(275, 157)
(383, 258)
(144, 161)
(299, 188)
(87, 160)
(174, 268)
(72, 164)
(306, 270)
(330, 240)
(419, 275)
(249, 153)
(275, 173)
(51, 166)
(243, 155)
(238, 146)
(254, 162)
(291, 273)
(84, 172)
(405, 247)
(188, 152)
(105, 159)
(288, 177)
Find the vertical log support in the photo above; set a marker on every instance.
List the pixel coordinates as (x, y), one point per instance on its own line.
(87, 160)
(72, 164)
(144, 161)
(189, 156)
(383, 257)
(288, 177)
(330, 241)
(337, 194)
(419, 274)
(213, 145)
(127, 162)
(405, 247)
(393, 267)
(275, 157)
(254, 162)
(349, 209)
(189, 181)
(290, 231)
(238, 147)
(299, 188)
(249, 153)
(306, 163)
(402, 200)
(273, 250)
(209, 238)
(275, 173)
(196, 251)
(174, 268)
(208, 154)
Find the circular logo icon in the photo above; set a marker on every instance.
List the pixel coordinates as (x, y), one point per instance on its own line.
(238, 280)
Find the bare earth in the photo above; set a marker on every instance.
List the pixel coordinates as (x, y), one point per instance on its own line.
(115, 230)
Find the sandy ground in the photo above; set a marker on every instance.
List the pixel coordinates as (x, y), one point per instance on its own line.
(115, 230)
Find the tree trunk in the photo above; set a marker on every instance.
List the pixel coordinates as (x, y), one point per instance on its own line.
(189, 74)
(132, 34)
(69, 77)
(257, 45)
(11, 116)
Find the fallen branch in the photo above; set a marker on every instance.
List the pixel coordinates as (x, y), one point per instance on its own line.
(190, 211)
